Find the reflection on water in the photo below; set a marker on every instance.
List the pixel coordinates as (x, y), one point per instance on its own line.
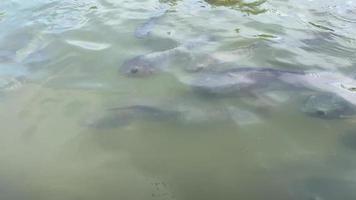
(249, 7)
(188, 99)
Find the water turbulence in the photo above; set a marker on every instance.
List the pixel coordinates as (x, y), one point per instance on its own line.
(177, 99)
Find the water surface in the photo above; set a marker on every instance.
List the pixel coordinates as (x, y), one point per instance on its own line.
(60, 75)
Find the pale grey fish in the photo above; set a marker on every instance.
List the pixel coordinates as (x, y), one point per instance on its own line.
(327, 106)
(146, 28)
(123, 116)
(233, 81)
(149, 64)
(328, 82)
(324, 189)
(145, 65)
(335, 98)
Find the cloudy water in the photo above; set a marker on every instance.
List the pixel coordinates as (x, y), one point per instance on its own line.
(177, 99)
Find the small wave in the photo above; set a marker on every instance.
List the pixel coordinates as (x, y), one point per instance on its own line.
(88, 45)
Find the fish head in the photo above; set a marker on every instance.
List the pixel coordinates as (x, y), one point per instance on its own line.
(138, 67)
(327, 106)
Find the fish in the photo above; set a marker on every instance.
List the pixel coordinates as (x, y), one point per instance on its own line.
(334, 93)
(324, 81)
(124, 116)
(146, 28)
(146, 65)
(327, 106)
(232, 82)
(152, 63)
(235, 80)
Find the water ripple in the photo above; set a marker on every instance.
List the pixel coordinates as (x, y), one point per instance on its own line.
(94, 46)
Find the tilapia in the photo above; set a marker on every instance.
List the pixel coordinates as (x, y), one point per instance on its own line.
(327, 106)
(335, 93)
(233, 81)
(148, 64)
(123, 116)
(146, 28)
(323, 81)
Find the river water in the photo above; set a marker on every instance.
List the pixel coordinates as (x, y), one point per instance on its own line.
(75, 125)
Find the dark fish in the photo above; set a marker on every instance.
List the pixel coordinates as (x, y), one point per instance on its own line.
(119, 117)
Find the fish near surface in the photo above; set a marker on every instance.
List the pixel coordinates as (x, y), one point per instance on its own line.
(328, 82)
(146, 28)
(335, 93)
(152, 63)
(327, 106)
(233, 81)
(123, 116)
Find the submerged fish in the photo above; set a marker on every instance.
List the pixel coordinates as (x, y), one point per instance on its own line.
(335, 93)
(146, 28)
(233, 81)
(327, 106)
(123, 116)
(328, 82)
(144, 65)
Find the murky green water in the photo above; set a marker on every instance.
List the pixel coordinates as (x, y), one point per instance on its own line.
(75, 125)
